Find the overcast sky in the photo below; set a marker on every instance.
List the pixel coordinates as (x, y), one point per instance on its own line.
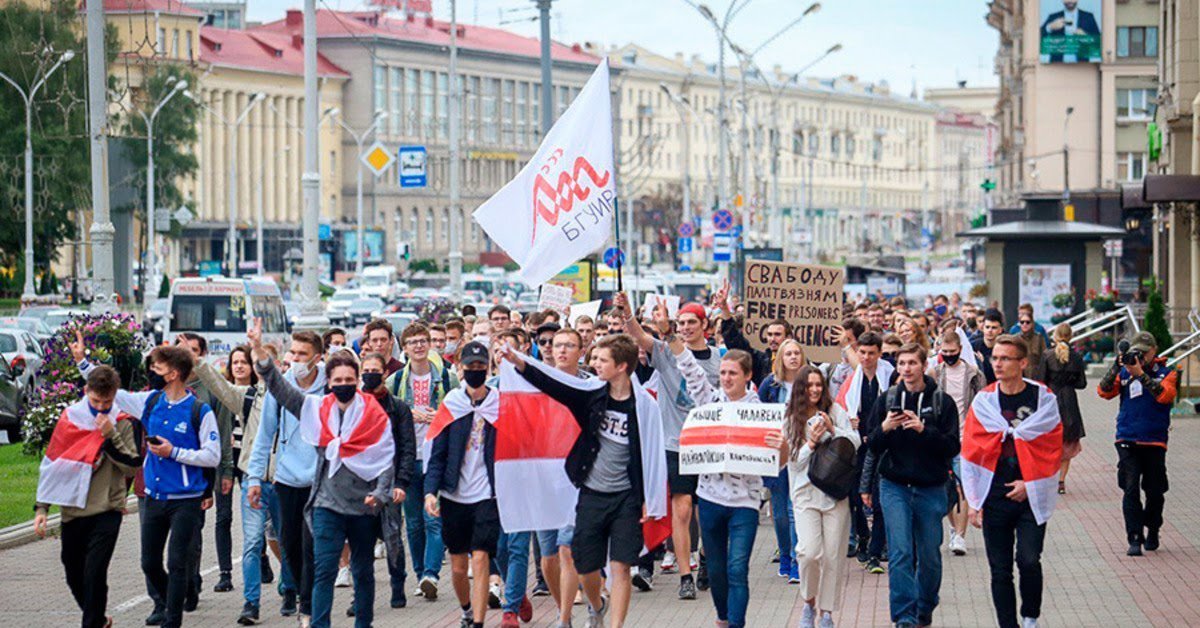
(932, 42)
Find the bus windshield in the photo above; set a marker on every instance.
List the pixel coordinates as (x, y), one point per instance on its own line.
(208, 313)
(272, 312)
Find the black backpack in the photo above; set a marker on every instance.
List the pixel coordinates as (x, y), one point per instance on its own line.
(832, 467)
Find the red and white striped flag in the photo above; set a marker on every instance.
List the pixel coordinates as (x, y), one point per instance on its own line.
(66, 470)
(365, 443)
(849, 396)
(1037, 439)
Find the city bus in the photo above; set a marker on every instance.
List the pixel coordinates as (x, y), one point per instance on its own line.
(221, 309)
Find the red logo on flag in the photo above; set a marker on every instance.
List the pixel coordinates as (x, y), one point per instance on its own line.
(549, 200)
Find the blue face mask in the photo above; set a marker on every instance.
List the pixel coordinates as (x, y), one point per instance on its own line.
(97, 411)
(941, 310)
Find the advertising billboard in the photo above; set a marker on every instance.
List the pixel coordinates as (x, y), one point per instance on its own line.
(374, 248)
(1070, 31)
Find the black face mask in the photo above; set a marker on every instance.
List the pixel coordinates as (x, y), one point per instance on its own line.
(890, 358)
(371, 381)
(155, 381)
(950, 359)
(344, 392)
(475, 379)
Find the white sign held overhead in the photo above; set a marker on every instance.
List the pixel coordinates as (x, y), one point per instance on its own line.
(560, 207)
(651, 301)
(555, 297)
(591, 309)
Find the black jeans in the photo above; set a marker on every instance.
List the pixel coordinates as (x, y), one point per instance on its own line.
(178, 519)
(296, 541)
(1142, 468)
(195, 555)
(878, 535)
(87, 549)
(1006, 522)
(224, 529)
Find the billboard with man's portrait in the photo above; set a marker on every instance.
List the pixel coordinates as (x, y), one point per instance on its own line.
(1070, 31)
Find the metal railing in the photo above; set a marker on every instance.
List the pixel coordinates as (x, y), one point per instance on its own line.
(1089, 322)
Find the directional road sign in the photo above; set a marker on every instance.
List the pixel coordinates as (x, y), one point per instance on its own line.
(184, 215)
(722, 247)
(377, 158)
(685, 245)
(722, 219)
(614, 257)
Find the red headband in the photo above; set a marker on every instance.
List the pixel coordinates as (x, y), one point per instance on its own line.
(694, 309)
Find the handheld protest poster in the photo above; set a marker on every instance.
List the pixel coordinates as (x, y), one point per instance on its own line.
(730, 438)
(807, 296)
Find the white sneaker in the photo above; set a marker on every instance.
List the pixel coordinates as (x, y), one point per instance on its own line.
(305, 621)
(379, 549)
(495, 595)
(808, 617)
(958, 544)
(695, 561)
(1029, 622)
(826, 621)
(668, 564)
(428, 587)
(343, 578)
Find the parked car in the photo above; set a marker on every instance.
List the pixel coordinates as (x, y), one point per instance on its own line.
(409, 303)
(56, 318)
(363, 309)
(11, 399)
(335, 308)
(19, 347)
(36, 326)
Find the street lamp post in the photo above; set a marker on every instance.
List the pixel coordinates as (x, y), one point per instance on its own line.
(684, 108)
(149, 285)
(1067, 157)
(359, 138)
(29, 292)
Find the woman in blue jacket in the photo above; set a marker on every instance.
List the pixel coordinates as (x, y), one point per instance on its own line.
(777, 388)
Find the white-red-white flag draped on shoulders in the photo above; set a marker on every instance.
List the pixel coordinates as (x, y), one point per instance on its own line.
(560, 207)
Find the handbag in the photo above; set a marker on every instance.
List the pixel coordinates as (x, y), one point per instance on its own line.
(832, 466)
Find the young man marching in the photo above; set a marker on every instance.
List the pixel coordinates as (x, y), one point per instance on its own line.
(92, 455)
(1012, 450)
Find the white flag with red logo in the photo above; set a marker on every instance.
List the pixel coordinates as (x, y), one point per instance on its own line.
(1037, 440)
(560, 207)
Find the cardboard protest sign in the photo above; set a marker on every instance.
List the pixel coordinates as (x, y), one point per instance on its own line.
(591, 309)
(652, 300)
(807, 296)
(554, 297)
(730, 438)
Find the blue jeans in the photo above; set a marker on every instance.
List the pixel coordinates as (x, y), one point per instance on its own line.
(254, 522)
(331, 531)
(512, 557)
(781, 502)
(913, 516)
(728, 537)
(424, 532)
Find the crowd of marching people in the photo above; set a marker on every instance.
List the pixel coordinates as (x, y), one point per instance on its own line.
(351, 446)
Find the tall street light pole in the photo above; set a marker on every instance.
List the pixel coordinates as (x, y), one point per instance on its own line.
(149, 285)
(359, 139)
(102, 231)
(456, 255)
(684, 109)
(312, 315)
(543, 7)
(28, 293)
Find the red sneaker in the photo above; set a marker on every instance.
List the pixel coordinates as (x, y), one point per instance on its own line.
(509, 621)
(526, 611)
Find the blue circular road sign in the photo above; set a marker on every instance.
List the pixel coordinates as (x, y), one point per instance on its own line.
(614, 257)
(686, 230)
(722, 219)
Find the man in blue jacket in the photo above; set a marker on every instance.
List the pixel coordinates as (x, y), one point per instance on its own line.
(182, 441)
(295, 463)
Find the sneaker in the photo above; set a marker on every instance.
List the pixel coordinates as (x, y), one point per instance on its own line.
(826, 621)
(794, 573)
(399, 600)
(379, 550)
(525, 612)
(288, 608)
(694, 563)
(643, 579)
(852, 548)
(1151, 540)
(785, 565)
(562, 624)
(191, 600)
(509, 620)
(467, 622)
(540, 589)
(350, 612)
(156, 617)
(343, 578)
(958, 544)
(267, 574)
(495, 594)
(249, 616)
(1135, 549)
(417, 592)
(808, 617)
(1029, 622)
(668, 564)
(429, 588)
(702, 574)
(305, 621)
(863, 552)
(874, 567)
(224, 584)
(596, 617)
(687, 588)
(775, 556)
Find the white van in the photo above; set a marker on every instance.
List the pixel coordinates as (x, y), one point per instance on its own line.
(222, 309)
(378, 281)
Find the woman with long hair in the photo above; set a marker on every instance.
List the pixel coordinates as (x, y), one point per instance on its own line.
(822, 523)
(777, 388)
(1064, 375)
(910, 331)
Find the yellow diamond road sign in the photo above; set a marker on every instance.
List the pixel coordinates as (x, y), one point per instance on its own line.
(378, 158)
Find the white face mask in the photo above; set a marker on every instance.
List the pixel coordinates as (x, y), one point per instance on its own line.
(451, 346)
(302, 370)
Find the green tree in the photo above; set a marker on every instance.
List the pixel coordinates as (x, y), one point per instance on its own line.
(31, 41)
(1155, 320)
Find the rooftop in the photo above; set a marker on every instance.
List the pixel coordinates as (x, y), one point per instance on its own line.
(259, 51)
(1044, 230)
(176, 7)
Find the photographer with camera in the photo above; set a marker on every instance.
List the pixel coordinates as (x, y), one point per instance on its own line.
(1146, 387)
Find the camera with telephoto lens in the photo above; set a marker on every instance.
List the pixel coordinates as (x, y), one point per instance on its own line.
(1128, 355)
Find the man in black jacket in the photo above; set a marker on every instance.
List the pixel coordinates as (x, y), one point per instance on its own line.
(914, 435)
(773, 335)
(374, 370)
(606, 463)
(460, 481)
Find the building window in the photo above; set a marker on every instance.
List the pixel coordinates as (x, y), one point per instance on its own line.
(160, 45)
(535, 100)
(427, 104)
(396, 89)
(850, 146)
(446, 224)
(490, 89)
(506, 114)
(411, 102)
(564, 99)
(1137, 41)
(429, 225)
(835, 144)
(814, 143)
(523, 114)
(443, 100)
(1134, 104)
(877, 148)
(380, 88)
(1131, 166)
(175, 43)
(411, 234)
(473, 107)
(190, 51)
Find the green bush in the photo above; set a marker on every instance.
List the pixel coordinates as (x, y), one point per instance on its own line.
(427, 265)
(1155, 320)
(164, 288)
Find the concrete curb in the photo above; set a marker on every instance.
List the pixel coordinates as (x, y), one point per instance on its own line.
(22, 533)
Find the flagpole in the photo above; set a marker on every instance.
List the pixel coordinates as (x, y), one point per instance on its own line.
(617, 227)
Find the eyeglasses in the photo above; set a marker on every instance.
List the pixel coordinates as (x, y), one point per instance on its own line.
(416, 342)
(1023, 323)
